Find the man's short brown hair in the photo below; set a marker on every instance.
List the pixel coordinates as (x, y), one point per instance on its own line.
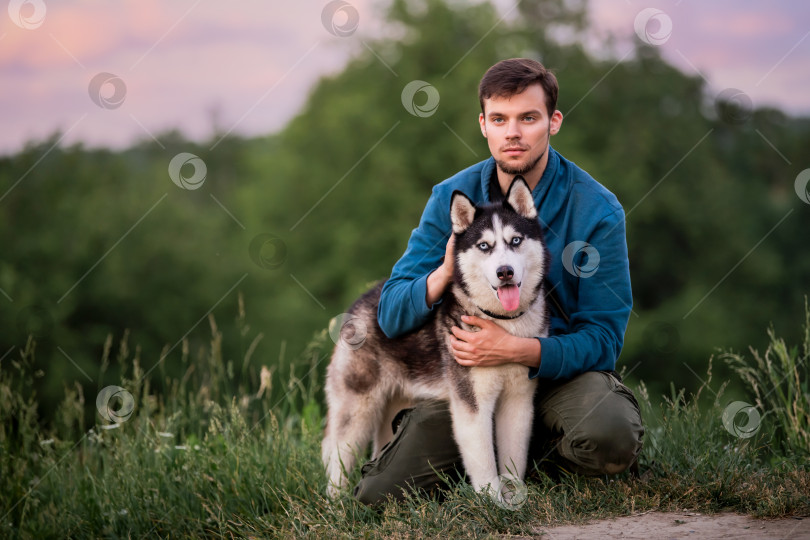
(513, 76)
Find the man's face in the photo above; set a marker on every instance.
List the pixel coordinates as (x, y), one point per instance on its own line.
(517, 129)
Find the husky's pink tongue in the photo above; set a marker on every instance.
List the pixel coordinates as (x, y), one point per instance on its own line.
(509, 295)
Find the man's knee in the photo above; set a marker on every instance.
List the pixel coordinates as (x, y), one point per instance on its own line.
(607, 446)
(421, 456)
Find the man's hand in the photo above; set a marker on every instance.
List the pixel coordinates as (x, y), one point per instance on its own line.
(492, 345)
(439, 279)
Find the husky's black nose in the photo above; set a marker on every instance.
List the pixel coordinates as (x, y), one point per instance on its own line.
(505, 272)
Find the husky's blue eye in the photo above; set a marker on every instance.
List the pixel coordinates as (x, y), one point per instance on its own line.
(483, 246)
(516, 241)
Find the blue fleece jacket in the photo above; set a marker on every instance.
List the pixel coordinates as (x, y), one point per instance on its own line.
(589, 271)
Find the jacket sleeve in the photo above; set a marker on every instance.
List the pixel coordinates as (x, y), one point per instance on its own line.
(402, 305)
(599, 306)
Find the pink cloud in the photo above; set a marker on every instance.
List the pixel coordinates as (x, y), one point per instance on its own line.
(747, 25)
(192, 55)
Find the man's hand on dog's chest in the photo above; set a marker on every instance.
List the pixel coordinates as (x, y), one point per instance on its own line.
(487, 345)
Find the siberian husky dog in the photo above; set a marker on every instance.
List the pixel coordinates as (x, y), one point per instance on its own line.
(500, 262)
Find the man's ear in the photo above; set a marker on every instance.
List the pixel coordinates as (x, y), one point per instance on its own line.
(520, 198)
(482, 122)
(462, 212)
(555, 122)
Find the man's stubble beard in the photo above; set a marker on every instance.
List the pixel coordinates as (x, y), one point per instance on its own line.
(528, 167)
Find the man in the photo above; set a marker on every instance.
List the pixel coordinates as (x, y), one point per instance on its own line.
(583, 413)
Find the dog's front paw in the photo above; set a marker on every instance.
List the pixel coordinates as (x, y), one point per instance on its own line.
(332, 491)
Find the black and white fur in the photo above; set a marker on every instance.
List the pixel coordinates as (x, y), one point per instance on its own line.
(373, 377)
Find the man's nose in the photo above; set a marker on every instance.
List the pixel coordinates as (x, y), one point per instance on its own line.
(513, 130)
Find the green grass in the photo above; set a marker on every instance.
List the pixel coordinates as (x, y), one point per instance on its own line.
(208, 456)
(780, 381)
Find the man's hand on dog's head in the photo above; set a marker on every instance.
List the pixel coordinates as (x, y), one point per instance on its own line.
(449, 258)
(442, 277)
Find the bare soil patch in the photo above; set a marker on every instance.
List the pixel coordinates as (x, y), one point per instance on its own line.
(683, 525)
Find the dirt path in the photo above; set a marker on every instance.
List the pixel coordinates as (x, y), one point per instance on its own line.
(682, 525)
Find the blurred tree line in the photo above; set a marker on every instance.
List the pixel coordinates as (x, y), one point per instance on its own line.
(301, 221)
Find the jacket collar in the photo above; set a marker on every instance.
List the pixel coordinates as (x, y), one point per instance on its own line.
(540, 190)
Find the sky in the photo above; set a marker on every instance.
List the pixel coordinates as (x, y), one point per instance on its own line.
(113, 73)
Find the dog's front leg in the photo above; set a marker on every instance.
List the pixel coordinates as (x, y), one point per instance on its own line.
(513, 428)
(472, 427)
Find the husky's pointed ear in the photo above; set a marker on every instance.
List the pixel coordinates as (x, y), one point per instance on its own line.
(462, 212)
(519, 197)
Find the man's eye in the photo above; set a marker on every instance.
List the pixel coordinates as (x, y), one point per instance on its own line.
(483, 246)
(516, 240)
(529, 118)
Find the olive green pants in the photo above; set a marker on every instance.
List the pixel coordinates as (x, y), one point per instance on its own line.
(590, 425)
